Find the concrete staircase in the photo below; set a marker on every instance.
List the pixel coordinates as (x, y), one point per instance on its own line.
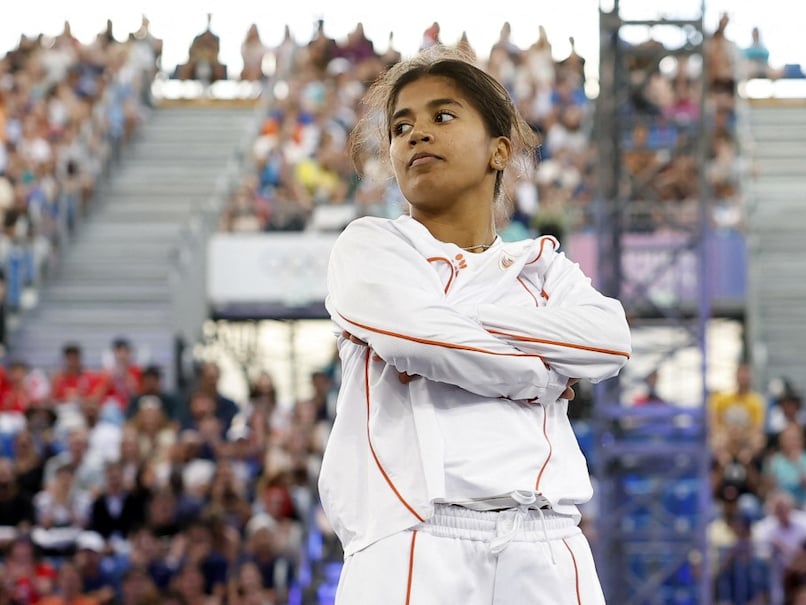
(777, 241)
(114, 278)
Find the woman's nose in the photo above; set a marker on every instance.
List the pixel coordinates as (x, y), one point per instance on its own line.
(418, 135)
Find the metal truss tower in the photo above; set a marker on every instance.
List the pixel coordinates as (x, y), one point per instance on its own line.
(651, 461)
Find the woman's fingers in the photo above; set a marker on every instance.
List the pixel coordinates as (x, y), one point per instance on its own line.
(359, 342)
(353, 339)
(406, 378)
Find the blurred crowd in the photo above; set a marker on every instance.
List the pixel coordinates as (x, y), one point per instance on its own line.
(302, 177)
(116, 489)
(756, 532)
(758, 479)
(66, 109)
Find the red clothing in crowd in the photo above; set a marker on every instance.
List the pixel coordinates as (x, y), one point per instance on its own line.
(120, 386)
(20, 390)
(72, 386)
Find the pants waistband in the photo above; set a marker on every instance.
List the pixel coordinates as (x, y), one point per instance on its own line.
(451, 521)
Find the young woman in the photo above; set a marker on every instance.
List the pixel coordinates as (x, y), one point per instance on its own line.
(452, 474)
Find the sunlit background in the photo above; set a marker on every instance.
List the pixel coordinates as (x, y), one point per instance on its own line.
(177, 23)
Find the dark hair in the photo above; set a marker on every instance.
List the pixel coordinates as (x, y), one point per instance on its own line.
(791, 397)
(121, 343)
(71, 348)
(154, 371)
(488, 96)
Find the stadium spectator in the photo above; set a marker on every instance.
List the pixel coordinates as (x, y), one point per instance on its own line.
(151, 385)
(146, 56)
(786, 410)
(203, 61)
(97, 581)
(320, 50)
(116, 511)
(263, 416)
(756, 57)
(391, 55)
(742, 407)
(29, 462)
(88, 466)
(573, 66)
(777, 538)
(737, 466)
(151, 430)
(61, 512)
(122, 379)
(431, 36)
(225, 409)
(649, 394)
(276, 571)
(285, 55)
(72, 382)
(720, 61)
(357, 48)
(27, 578)
(253, 51)
(228, 499)
(741, 576)
(137, 588)
(16, 506)
(786, 467)
(795, 578)
(22, 388)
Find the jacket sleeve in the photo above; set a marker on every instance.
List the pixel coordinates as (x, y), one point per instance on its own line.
(578, 331)
(384, 292)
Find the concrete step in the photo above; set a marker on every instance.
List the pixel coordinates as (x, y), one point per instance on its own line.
(122, 231)
(777, 185)
(114, 277)
(788, 166)
(79, 293)
(175, 213)
(775, 133)
(95, 336)
(124, 316)
(777, 238)
(115, 272)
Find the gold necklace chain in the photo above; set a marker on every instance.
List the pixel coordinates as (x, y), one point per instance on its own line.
(481, 247)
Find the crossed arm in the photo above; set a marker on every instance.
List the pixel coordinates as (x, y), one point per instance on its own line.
(385, 295)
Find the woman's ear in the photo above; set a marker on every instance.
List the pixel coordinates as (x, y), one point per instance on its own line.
(502, 151)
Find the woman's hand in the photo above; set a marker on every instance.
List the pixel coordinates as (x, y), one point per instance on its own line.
(569, 392)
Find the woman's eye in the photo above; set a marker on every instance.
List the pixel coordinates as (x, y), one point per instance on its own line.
(444, 116)
(399, 129)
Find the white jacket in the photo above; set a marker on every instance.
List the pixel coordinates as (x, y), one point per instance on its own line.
(493, 338)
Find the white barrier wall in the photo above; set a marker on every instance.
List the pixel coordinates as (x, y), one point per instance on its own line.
(267, 276)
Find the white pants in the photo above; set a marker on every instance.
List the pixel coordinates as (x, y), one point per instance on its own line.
(465, 557)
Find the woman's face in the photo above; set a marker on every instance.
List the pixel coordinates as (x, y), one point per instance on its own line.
(440, 150)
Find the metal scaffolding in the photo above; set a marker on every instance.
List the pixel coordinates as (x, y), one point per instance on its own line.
(651, 461)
